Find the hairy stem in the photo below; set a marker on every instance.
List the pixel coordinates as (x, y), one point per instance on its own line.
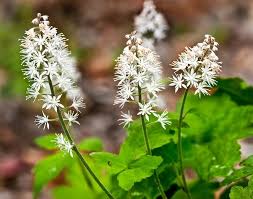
(144, 128)
(179, 145)
(75, 149)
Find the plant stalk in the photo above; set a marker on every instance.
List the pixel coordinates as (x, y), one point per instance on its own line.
(75, 149)
(179, 145)
(144, 128)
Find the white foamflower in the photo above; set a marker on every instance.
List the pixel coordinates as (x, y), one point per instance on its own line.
(177, 81)
(52, 102)
(145, 110)
(163, 119)
(51, 71)
(197, 67)
(63, 144)
(192, 78)
(138, 76)
(126, 119)
(42, 121)
(154, 87)
(71, 117)
(202, 88)
(78, 103)
(150, 25)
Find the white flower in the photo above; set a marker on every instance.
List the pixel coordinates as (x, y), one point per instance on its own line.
(145, 110)
(178, 82)
(71, 117)
(39, 81)
(137, 68)
(197, 67)
(52, 102)
(191, 78)
(154, 87)
(64, 82)
(39, 58)
(202, 88)
(163, 119)
(63, 144)
(39, 41)
(138, 76)
(50, 69)
(126, 119)
(32, 93)
(150, 22)
(42, 120)
(78, 103)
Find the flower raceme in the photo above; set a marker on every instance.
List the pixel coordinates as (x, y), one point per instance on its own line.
(138, 73)
(52, 73)
(197, 67)
(150, 25)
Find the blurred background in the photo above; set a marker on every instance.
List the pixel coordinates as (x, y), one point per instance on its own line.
(96, 29)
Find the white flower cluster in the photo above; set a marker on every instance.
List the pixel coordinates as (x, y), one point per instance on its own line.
(197, 67)
(138, 72)
(150, 25)
(51, 71)
(63, 144)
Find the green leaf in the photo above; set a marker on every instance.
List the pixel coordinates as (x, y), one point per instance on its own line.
(78, 183)
(134, 145)
(210, 144)
(180, 195)
(199, 190)
(225, 153)
(248, 161)
(67, 192)
(239, 192)
(138, 170)
(238, 174)
(109, 160)
(148, 187)
(46, 142)
(238, 89)
(175, 122)
(91, 144)
(48, 169)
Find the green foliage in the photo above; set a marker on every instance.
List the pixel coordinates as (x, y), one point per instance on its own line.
(111, 161)
(79, 184)
(47, 170)
(238, 89)
(199, 190)
(134, 145)
(248, 161)
(242, 192)
(131, 165)
(91, 144)
(204, 146)
(46, 142)
(138, 170)
(241, 173)
(211, 129)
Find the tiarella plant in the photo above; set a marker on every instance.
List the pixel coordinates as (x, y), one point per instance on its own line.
(197, 68)
(150, 25)
(157, 149)
(52, 73)
(138, 74)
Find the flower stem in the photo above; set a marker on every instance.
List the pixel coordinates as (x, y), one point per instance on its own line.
(144, 128)
(75, 149)
(179, 145)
